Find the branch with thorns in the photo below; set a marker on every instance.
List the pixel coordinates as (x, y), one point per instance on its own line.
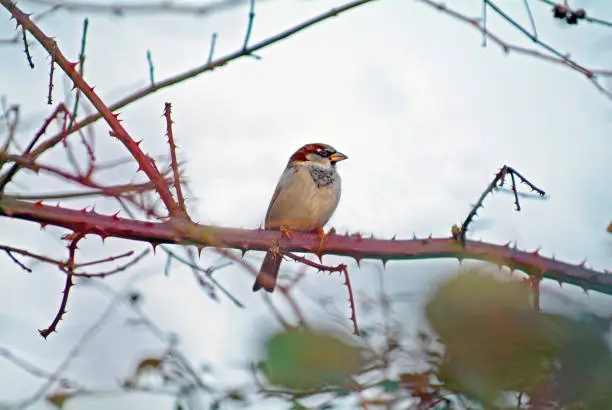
(342, 269)
(496, 184)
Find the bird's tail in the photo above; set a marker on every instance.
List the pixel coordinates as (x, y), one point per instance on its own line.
(268, 273)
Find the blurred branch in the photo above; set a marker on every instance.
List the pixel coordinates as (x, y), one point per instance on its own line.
(554, 56)
(156, 7)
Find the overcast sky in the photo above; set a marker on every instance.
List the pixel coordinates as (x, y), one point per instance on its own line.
(425, 114)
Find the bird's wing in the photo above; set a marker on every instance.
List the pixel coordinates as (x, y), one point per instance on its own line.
(283, 181)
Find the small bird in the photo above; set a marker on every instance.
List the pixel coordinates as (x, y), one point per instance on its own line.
(306, 196)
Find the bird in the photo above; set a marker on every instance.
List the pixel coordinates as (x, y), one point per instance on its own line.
(305, 198)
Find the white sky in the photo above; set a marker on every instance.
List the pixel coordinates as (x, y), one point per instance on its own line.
(425, 114)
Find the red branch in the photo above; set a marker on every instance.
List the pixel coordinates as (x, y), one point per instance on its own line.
(342, 269)
(118, 130)
(355, 246)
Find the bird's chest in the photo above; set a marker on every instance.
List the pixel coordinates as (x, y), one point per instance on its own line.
(307, 199)
(323, 178)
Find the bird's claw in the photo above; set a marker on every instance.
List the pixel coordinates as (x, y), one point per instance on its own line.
(286, 232)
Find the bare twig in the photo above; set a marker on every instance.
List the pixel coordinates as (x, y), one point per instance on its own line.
(120, 9)
(77, 96)
(250, 24)
(497, 182)
(556, 57)
(26, 48)
(151, 68)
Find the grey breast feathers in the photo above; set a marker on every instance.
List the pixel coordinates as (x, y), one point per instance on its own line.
(305, 198)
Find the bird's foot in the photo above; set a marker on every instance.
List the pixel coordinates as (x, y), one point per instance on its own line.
(286, 232)
(322, 240)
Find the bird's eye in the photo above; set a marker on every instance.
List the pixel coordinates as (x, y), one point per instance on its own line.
(324, 153)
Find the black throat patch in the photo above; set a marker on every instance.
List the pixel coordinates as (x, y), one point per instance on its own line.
(323, 177)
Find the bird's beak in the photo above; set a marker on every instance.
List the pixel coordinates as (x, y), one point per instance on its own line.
(337, 156)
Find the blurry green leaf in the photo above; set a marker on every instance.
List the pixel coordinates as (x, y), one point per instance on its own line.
(303, 359)
(390, 385)
(495, 341)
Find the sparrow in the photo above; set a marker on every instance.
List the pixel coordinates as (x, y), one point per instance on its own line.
(305, 198)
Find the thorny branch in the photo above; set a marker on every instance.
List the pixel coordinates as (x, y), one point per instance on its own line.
(180, 230)
(497, 182)
(341, 268)
(173, 160)
(118, 131)
(194, 72)
(89, 222)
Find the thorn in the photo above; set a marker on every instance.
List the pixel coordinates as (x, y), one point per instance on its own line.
(320, 256)
(154, 245)
(84, 210)
(394, 237)
(199, 249)
(583, 263)
(537, 251)
(384, 263)
(115, 216)
(244, 248)
(372, 236)
(72, 65)
(92, 88)
(358, 260)
(43, 225)
(38, 204)
(414, 236)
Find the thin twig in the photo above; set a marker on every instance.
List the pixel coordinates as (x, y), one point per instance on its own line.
(151, 68)
(74, 239)
(17, 261)
(250, 24)
(26, 48)
(173, 161)
(211, 52)
(77, 96)
(159, 7)
(531, 19)
(497, 182)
